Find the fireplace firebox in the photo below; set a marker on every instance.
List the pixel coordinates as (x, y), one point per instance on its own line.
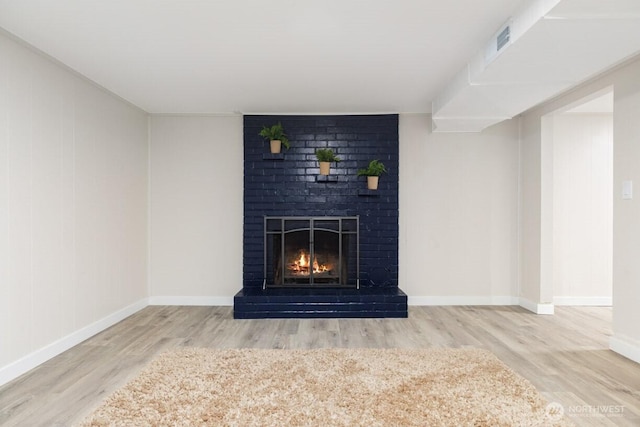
(311, 252)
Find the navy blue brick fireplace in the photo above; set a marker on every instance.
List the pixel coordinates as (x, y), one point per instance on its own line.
(288, 185)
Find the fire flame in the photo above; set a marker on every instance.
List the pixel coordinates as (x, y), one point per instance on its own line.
(301, 265)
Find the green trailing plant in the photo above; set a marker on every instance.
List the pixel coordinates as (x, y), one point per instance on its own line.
(275, 132)
(375, 168)
(326, 155)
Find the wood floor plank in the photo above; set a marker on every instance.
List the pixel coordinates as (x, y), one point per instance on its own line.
(565, 355)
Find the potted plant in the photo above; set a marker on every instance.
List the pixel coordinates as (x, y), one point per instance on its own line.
(325, 157)
(276, 136)
(373, 172)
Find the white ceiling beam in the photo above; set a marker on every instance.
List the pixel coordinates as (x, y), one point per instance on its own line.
(568, 42)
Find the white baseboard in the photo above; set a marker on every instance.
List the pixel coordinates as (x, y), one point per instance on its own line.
(462, 300)
(178, 300)
(625, 346)
(30, 361)
(536, 307)
(584, 301)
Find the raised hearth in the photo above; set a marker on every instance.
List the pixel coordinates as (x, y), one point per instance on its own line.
(251, 303)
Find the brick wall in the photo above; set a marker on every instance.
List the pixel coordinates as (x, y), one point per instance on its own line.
(289, 185)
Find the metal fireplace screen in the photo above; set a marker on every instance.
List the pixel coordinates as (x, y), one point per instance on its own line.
(311, 252)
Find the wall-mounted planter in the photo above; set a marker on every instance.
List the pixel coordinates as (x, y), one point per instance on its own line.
(276, 137)
(276, 146)
(325, 168)
(373, 172)
(325, 156)
(372, 182)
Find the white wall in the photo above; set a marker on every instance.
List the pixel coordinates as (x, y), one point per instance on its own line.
(626, 213)
(582, 208)
(458, 214)
(458, 211)
(196, 209)
(530, 218)
(73, 197)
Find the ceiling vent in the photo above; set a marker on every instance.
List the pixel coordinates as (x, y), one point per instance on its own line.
(503, 37)
(498, 42)
(547, 48)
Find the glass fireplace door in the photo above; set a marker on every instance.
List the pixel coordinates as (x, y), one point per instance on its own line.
(301, 252)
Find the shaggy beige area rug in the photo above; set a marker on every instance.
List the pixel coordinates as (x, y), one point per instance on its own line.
(328, 387)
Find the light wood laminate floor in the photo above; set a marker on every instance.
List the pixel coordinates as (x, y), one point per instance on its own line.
(565, 356)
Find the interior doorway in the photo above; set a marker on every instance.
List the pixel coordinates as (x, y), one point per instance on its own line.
(578, 202)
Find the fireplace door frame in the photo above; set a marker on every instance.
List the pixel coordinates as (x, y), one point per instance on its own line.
(279, 227)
